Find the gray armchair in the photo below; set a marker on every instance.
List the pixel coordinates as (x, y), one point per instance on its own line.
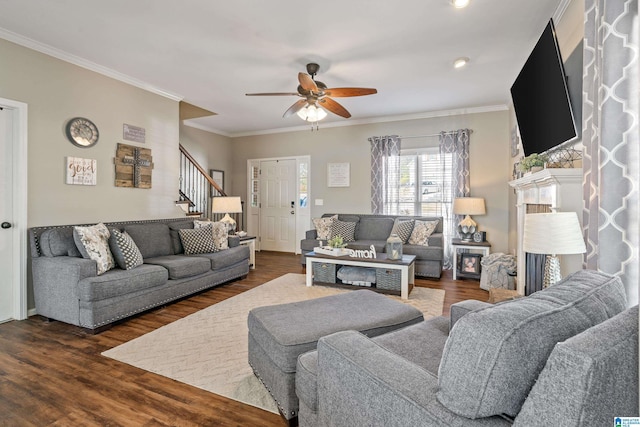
(567, 355)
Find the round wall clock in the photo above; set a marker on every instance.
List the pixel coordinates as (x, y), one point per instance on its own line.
(82, 132)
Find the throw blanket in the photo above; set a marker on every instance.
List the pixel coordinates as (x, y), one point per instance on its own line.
(498, 270)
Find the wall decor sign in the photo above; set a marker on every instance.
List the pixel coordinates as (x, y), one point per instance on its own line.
(82, 171)
(133, 133)
(338, 175)
(133, 166)
(514, 142)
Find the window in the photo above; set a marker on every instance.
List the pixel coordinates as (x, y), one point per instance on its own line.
(424, 184)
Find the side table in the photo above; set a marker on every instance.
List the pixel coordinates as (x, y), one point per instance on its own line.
(251, 242)
(485, 247)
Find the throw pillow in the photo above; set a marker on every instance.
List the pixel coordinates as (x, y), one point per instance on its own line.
(124, 250)
(323, 226)
(197, 240)
(219, 231)
(421, 232)
(345, 229)
(403, 228)
(93, 243)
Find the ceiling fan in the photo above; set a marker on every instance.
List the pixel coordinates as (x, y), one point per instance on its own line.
(315, 94)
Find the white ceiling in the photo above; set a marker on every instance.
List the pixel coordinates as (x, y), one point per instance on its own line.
(210, 53)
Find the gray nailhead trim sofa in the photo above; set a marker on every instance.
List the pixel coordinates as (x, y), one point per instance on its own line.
(374, 230)
(67, 288)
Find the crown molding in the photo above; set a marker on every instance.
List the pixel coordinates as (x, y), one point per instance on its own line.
(560, 10)
(80, 62)
(372, 120)
(194, 125)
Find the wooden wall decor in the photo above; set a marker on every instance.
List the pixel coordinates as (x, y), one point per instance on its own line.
(133, 166)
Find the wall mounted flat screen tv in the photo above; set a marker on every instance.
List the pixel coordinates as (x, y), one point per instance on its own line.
(541, 99)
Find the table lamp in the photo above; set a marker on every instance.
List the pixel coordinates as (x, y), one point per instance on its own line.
(468, 206)
(227, 205)
(557, 233)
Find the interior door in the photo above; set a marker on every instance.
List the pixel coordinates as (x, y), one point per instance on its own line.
(7, 252)
(278, 205)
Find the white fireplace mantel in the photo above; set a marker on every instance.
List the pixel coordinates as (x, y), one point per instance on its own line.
(561, 189)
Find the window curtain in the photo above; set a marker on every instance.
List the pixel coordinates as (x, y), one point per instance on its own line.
(385, 163)
(611, 158)
(455, 143)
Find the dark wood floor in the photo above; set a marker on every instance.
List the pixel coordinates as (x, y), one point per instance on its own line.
(53, 374)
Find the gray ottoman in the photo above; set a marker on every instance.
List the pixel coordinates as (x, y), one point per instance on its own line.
(278, 334)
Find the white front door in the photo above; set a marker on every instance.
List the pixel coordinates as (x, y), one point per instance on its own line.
(278, 205)
(7, 252)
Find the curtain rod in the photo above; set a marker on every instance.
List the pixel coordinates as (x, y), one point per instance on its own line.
(430, 136)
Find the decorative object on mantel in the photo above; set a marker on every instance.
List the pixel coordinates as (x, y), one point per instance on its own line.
(133, 133)
(82, 171)
(565, 158)
(227, 205)
(133, 166)
(394, 247)
(82, 132)
(552, 234)
(533, 162)
(468, 206)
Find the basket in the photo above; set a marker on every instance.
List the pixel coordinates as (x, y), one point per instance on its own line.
(324, 272)
(388, 279)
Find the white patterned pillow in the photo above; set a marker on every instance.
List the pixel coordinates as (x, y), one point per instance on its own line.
(93, 243)
(197, 240)
(124, 250)
(345, 229)
(323, 226)
(219, 232)
(421, 232)
(403, 228)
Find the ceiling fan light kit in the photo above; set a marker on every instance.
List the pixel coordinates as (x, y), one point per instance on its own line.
(316, 97)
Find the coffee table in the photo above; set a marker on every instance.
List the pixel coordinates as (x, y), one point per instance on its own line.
(406, 267)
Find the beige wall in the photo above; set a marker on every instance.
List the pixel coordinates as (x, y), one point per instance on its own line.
(489, 162)
(56, 91)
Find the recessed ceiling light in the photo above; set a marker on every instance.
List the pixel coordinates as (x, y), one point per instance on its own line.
(459, 4)
(460, 62)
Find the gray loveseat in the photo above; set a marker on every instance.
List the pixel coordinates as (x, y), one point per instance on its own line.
(375, 229)
(67, 288)
(567, 355)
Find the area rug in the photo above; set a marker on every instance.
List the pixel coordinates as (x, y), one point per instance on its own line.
(208, 349)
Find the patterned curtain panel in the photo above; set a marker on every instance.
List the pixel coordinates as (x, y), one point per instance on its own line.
(385, 163)
(611, 161)
(455, 143)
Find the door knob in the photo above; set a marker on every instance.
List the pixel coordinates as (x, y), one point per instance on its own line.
(5, 225)
(293, 212)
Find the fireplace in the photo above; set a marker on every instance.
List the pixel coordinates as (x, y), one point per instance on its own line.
(549, 190)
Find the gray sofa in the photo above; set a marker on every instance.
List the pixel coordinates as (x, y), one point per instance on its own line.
(567, 355)
(67, 288)
(375, 229)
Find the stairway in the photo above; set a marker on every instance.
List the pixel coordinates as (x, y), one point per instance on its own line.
(195, 187)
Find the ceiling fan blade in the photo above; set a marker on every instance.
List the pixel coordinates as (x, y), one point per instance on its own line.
(273, 94)
(307, 82)
(299, 105)
(349, 91)
(334, 107)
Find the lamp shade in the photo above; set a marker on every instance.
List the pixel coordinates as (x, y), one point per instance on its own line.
(226, 205)
(469, 206)
(555, 233)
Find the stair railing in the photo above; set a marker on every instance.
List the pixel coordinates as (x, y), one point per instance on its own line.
(195, 186)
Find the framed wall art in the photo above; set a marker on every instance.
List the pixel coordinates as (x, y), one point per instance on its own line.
(81, 171)
(218, 178)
